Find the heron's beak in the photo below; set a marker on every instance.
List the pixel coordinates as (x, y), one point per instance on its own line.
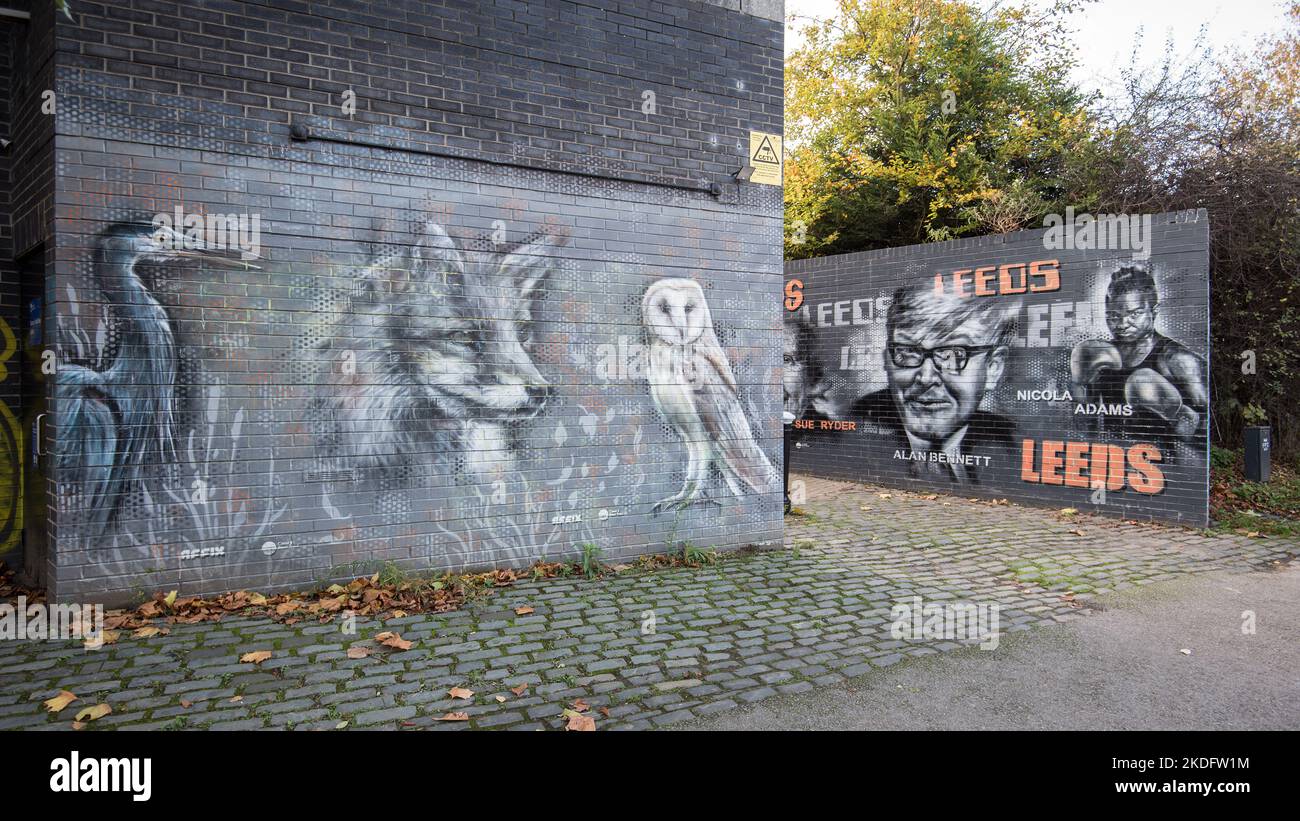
(225, 257)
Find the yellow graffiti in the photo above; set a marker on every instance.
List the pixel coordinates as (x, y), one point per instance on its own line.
(11, 456)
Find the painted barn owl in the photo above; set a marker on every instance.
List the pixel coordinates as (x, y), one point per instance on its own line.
(693, 388)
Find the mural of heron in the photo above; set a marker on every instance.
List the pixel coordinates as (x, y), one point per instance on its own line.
(115, 421)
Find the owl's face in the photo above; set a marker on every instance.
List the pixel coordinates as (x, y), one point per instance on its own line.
(674, 310)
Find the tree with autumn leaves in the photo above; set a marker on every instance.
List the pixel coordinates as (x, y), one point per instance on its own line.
(912, 121)
(919, 120)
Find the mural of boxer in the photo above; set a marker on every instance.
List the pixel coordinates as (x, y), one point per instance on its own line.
(1160, 380)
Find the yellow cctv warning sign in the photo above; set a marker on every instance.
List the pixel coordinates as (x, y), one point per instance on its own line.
(765, 156)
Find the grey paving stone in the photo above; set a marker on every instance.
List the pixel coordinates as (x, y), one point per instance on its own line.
(382, 716)
(745, 628)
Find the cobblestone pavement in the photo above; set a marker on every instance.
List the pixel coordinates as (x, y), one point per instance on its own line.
(651, 648)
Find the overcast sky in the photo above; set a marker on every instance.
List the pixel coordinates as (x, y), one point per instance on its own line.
(1107, 29)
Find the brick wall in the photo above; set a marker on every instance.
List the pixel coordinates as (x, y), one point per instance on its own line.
(441, 357)
(11, 461)
(26, 199)
(1081, 381)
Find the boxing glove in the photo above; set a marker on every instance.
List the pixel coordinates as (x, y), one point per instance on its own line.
(1146, 389)
(1089, 359)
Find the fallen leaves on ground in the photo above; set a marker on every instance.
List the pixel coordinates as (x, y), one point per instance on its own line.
(454, 717)
(363, 596)
(358, 652)
(255, 657)
(105, 637)
(520, 690)
(580, 706)
(393, 640)
(59, 702)
(1231, 493)
(578, 721)
(460, 692)
(92, 713)
(549, 570)
(11, 589)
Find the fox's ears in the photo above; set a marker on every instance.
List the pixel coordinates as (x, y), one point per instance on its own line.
(531, 263)
(526, 267)
(433, 258)
(436, 252)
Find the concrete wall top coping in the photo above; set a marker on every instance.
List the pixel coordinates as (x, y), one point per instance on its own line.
(767, 9)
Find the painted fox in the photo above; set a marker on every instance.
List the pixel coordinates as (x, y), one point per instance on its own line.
(431, 357)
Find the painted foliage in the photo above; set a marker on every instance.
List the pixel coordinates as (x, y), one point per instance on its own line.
(1010, 366)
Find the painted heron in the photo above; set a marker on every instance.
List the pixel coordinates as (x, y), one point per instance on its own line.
(115, 422)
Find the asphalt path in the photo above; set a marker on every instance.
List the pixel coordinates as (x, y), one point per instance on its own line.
(1119, 669)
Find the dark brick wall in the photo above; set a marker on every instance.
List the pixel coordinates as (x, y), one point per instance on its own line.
(26, 194)
(325, 411)
(1014, 423)
(11, 477)
(550, 84)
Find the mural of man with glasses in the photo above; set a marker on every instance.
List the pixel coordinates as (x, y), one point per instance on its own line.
(943, 355)
(1161, 382)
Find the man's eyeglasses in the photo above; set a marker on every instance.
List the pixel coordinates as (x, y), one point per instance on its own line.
(947, 358)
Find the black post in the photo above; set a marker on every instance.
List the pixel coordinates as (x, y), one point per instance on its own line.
(788, 419)
(1258, 460)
